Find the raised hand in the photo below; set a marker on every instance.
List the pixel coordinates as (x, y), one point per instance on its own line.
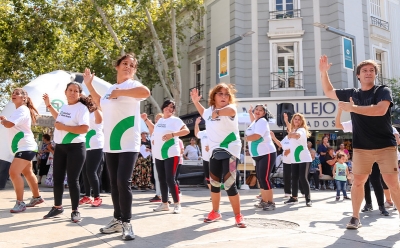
(88, 77)
(285, 117)
(46, 99)
(198, 120)
(251, 109)
(324, 65)
(143, 116)
(194, 94)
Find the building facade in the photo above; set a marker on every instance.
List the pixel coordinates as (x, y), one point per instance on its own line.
(279, 62)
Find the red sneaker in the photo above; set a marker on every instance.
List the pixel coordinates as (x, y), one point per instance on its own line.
(212, 217)
(97, 202)
(85, 200)
(239, 221)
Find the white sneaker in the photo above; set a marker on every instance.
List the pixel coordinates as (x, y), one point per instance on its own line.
(388, 204)
(161, 207)
(177, 209)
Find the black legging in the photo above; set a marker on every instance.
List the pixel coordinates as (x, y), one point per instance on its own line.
(264, 166)
(70, 158)
(90, 171)
(225, 171)
(166, 170)
(120, 168)
(287, 179)
(299, 174)
(315, 176)
(178, 170)
(326, 170)
(206, 169)
(377, 182)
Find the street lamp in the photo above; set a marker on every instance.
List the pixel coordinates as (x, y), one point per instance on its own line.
(239, 38)
(347, 35)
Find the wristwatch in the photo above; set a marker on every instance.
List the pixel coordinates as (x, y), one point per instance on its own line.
(217, 112)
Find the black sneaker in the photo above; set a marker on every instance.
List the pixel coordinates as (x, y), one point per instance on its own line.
(75, 217)
(156, 198)
(53, 212)
(367, 208)
(291, 201)
(383, 211)
(308, 203)
(354, 223)
(337, 198)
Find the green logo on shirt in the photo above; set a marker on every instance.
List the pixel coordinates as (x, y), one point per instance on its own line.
(229, 139)
(165, 148)
(297, 152)
(57, 104)
(254, 146)
(119, 130)
(89, 135)
(15, 141)
(69, 137)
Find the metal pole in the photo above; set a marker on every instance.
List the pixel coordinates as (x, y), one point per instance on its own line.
(239, 38)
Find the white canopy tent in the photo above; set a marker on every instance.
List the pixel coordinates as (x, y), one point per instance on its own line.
(54, 84)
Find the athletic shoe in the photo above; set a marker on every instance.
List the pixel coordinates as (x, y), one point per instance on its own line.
(394, 207)
(177, 209)
(260, 204)
(239, 221)
(127, 232)
(383, 211)
(85, 200)
(213, 216)
(291, 201)
(346, 198)
(161, 207)
(156, 198)
(97, 202)
(259, 196)
(316, 189)
(269, 206)
(323, 187)
(354, 223)
(112, 227)
(337, 198)
(287, 195)
(53, 212)
(18, 207)
(35, 201)
(388, 204)
(75, 216)
(308, 203)
(367, 208)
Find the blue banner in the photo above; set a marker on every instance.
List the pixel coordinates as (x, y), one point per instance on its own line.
(348, 62)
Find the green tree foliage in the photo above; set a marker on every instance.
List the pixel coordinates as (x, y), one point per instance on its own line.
(394, 86)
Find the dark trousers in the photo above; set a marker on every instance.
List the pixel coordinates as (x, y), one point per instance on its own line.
(166, 170)
(120, 169)
(314, 176)
(90, 171)
(70, 158)
(287, 179)
(34, 167)
(299, 174)
(376, 181)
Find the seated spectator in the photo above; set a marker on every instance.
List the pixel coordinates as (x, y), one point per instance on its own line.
(315, 170)
(192, 151)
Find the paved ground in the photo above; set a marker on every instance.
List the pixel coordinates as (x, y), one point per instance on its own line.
(323, 225)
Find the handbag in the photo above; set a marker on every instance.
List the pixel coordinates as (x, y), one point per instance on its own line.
(220, 154)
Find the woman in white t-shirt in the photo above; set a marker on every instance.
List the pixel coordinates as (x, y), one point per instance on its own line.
(121, 117)
(192, 151)
(94, 157)
(300, 158)
(202, 135)
(224, 142)
(167, 153)
(263, 152)
(23, 145)
(72, 123)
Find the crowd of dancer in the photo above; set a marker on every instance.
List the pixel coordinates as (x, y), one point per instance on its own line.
(86, 127)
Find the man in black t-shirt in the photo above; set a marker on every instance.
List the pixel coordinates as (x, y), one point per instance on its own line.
(373, 139)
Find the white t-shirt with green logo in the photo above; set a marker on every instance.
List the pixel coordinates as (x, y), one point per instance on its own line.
(20, 135)
(121, 120)
(223, 132)
(286, 146)
(166, 149)
(71, 115)
(95, 136)
(264, 144)
(202, 135)
(299, 152)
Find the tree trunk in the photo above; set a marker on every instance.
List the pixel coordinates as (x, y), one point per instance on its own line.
(154, 103)
(177, 70)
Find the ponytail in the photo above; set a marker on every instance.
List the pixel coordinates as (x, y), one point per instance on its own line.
(88, 102)
(34, 112)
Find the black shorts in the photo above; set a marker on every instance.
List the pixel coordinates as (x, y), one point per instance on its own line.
(25, 155)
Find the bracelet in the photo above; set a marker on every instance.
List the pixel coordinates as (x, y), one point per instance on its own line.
(48, 106)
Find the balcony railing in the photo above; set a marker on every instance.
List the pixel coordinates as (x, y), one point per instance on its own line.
(199, 87)
(284, 14)
(197, 37)
(379, 23)
(284, 80)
